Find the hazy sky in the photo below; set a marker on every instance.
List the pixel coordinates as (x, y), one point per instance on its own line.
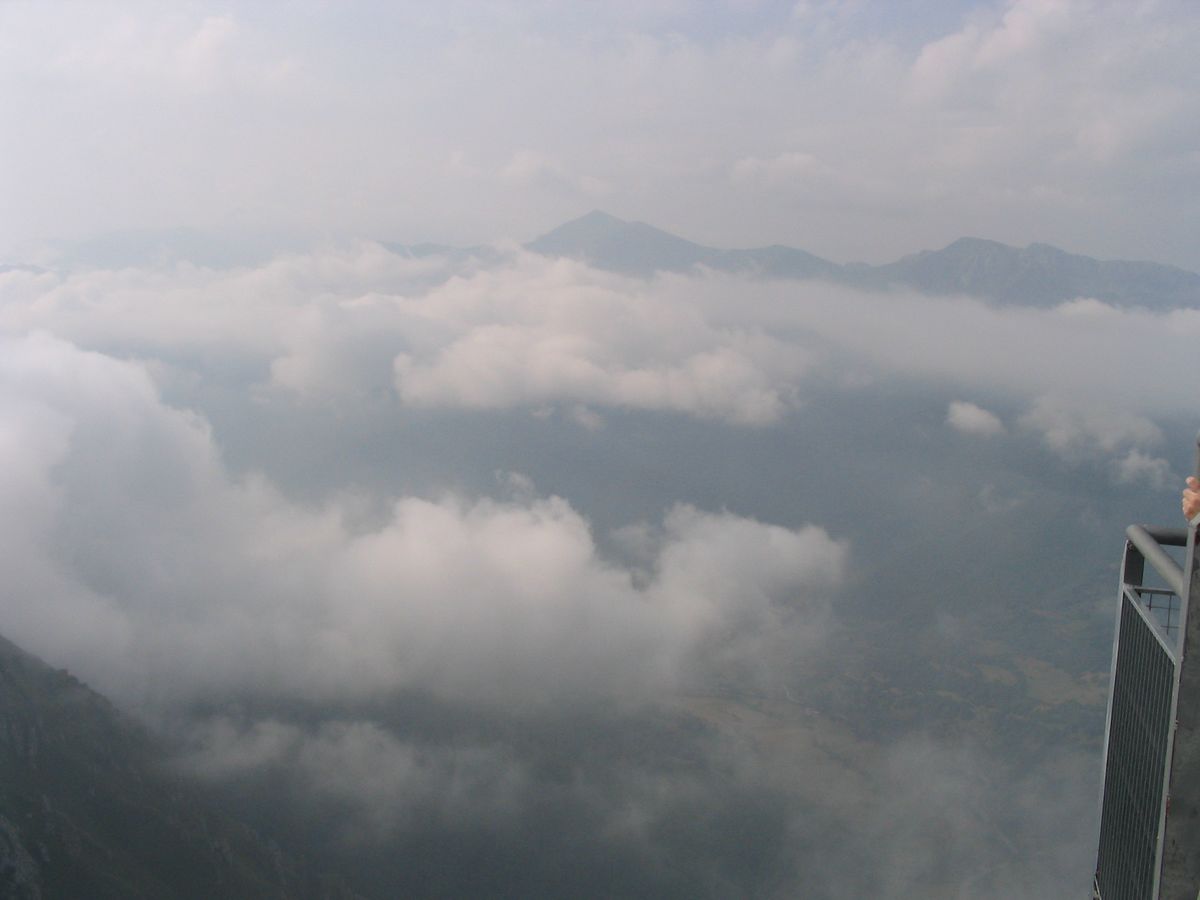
(857, 130)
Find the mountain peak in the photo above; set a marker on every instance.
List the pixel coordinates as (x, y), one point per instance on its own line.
(974, 244)
(632, 248)
(635, 248)
(599, 225)
(597, 217)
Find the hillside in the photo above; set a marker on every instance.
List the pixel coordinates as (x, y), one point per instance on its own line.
(87, 808)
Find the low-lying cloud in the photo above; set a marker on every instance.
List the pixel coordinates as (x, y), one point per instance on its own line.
(519, 332)
(134, 554)
(971, 419)
(563, 659)
(771, 807)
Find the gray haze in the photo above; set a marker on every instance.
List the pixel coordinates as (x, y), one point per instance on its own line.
(860, 130)
(565, 564)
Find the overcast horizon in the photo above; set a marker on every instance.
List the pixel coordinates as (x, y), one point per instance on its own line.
(856, 131)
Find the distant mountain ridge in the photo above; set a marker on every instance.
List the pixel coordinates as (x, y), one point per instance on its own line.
(635, 248)
(1037, 275)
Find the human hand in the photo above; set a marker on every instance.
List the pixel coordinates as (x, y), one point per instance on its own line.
(1191, 498)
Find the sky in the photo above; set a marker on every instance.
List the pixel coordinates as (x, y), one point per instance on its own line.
(855, 130)
(499, 568)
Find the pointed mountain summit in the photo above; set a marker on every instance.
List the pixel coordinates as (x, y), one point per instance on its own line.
(635, 248)
(632, 248)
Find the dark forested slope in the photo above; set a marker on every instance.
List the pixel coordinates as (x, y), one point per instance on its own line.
(88, 808)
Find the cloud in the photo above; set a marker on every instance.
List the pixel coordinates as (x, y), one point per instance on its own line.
(428, 667)
(1075, 427)
(544, 332)
(134, 552)
(387, 782)
(357, 321)
(971, 419)
(1137, 466)
(1026, 32)
(358, 326)
(951, 795)
(587, 418)
(818, 812)
(140, 559)
(256, 311)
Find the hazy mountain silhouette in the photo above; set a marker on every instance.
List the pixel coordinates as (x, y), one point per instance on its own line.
(89, 809)
(635, 248)
(1038, 275)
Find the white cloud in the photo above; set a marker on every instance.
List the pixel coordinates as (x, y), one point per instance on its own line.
(1139, 467)
(358, 324)
(131, 553)
(1027, 33)
(971, 419)
(1083, 428)
(587, 418)
(1028, 26)
(259, 310)
(743, 590)
(556, 332)
(340, 323)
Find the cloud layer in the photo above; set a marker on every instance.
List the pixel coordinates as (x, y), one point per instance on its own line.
(353, 325)
(428, 663)
(134, 554)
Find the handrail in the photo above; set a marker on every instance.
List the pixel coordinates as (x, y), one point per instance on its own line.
(1167, 537)
(1152, 551)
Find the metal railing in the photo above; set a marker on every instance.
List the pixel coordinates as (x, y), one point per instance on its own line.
(1150, 807)
(1149, 541)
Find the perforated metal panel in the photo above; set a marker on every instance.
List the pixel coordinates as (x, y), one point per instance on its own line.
(1139, 733)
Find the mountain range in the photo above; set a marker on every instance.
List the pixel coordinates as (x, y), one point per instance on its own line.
(1037, 275)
